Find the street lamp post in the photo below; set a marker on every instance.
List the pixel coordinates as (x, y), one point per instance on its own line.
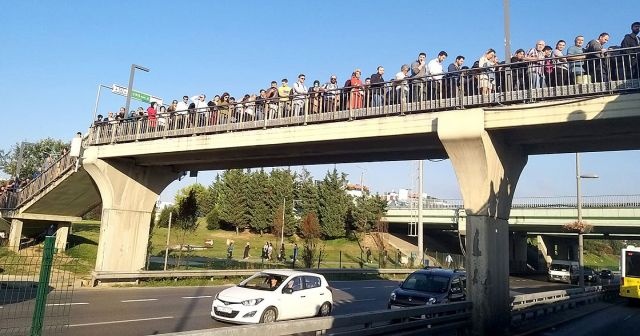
(580, 227)
(95, 109)
(420, 226)
(130, 86)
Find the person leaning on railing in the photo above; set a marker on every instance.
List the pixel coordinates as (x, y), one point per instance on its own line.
(631, 40)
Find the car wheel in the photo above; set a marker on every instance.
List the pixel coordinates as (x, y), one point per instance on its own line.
(325, 309)
(269, 315)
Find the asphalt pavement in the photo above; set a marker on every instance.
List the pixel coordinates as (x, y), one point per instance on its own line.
(149, 311)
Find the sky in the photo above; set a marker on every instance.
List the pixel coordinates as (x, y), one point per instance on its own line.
(55, 54)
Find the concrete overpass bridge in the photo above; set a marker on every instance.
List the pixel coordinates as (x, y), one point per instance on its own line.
(608, 214)
(488, 139)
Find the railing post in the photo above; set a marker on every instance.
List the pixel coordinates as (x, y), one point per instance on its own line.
(43, 286)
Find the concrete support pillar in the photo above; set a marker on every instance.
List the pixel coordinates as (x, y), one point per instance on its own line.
(62, 234)
(128, 194)
(487, 169)
(15, 234)
(518, 252)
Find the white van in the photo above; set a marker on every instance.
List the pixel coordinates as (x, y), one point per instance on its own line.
(564, 271)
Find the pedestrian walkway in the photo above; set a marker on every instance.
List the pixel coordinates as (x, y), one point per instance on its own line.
(405, 247)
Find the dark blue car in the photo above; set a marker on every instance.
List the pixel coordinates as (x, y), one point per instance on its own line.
(430, 286)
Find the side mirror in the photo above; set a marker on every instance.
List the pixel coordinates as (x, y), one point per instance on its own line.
(287, 290)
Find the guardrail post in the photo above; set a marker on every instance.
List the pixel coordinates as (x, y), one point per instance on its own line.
(43, 286)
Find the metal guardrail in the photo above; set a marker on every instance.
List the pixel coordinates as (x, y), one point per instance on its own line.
(103, 276)
(488, 85)
(423, 320)
(551, 202)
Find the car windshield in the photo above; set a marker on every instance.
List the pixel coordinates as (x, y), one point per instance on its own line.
(426, 283)
(263, 281)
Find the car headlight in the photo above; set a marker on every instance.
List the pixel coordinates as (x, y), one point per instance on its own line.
(392, 296)
(431, 300)
(251, 302)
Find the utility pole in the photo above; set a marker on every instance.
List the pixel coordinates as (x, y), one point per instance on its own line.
(420, 227)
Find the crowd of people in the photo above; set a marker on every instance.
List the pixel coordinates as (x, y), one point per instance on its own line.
(15, 184)
(539, 67)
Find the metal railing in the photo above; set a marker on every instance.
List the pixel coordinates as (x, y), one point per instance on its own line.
(614, 72)
(36, 289)
(105, 276)
(14, 199)
(421, 320)
(552, 202)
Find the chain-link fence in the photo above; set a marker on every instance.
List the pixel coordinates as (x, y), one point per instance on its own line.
(36, 288)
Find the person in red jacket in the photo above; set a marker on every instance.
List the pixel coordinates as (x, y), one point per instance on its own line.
(152, 114)
(355, 100)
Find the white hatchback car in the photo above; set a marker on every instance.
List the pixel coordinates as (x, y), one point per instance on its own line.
(274, 295)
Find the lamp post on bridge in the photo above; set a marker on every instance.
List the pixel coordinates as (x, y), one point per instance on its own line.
(130, 86)
(580, 226)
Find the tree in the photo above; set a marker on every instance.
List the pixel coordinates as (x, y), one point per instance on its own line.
(307, 194)
(163, 220)
(213, 219)
(34, 156)
(232, 199)
(258, 201)
(333, 205)
(311, 233)
(281, 194)
(186, 218)
(202, 197)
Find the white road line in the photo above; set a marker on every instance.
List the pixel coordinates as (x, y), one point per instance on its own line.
(67, 304)
(368, 287)
(196, 297)
(362, 300)
(121, 321)
(139, 300)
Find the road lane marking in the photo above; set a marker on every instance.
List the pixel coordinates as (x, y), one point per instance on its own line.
(121, 321)
(138, 300)
(196, 297)
(368, 287)
(67, 304)
(362, 300)
(344, 288)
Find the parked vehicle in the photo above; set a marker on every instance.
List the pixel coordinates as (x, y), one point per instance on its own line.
(606, 274)
(430, 286)
(274, 295)
(564, 270)
(590, 275)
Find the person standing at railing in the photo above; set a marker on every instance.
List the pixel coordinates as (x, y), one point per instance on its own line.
(272, 100)
(519, 71)
(436, 72)
(182, 112)
(419, 72)
(224, 114)
(453, 77)
(596, 52)
(561, 70)
(213, 109)
(401, 86)
(261, 104)
(486, 79)
(355, 99)
(152, 115)
(630, 62)
(299, 91)
(315, 97)
(536, 57)
(200, 108)
(377, 89)
(576, 63)
(332, 94)
(284, 91)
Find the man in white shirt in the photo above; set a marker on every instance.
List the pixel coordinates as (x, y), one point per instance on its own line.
(299, 92)
(436, 71)
(183, 106)
(402, 87)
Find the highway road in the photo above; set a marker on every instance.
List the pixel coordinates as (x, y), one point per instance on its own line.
(148, 311)
(616, 319)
